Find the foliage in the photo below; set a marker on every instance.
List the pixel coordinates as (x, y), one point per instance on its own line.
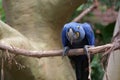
(2, 14)
(80, 9)
(110, 3)
(97, 71)
(105, 32)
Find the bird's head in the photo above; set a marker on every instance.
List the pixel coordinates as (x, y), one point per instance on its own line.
(75, 33)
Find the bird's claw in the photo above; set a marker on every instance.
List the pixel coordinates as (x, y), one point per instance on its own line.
(87, 52)
(66, 50)
(86, 49)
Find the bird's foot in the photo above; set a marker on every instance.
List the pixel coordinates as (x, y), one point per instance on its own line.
(86, 49)
(65, 51)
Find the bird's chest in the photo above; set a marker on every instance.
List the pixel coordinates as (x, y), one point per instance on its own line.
(80, 44)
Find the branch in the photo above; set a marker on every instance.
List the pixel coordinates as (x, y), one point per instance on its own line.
(86, 11)
(52, 53)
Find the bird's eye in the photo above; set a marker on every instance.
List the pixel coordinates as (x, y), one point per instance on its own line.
(78, 27)
(77, 34)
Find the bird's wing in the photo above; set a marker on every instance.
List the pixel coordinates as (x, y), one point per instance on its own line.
(64, 37)
(89, 33)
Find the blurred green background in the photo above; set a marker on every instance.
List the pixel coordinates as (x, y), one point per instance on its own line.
(2, 14)
(103, 21)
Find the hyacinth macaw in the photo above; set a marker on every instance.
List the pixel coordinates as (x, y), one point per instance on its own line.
(77, 35)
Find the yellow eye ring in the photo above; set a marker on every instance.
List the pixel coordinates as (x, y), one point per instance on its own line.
(78, 27)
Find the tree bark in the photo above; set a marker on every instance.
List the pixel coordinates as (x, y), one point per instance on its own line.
(113, 69)
(40, 21)
(53, 53)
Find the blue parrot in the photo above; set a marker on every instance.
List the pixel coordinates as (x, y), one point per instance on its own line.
(76, 35)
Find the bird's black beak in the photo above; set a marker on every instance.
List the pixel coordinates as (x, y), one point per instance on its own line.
(70, 35)
(71, 41)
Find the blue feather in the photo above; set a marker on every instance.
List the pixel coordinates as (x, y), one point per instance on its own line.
(85, 29)
(89, 33)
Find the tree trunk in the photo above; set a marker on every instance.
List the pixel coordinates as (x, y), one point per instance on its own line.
(40, 21)
(113, 69)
